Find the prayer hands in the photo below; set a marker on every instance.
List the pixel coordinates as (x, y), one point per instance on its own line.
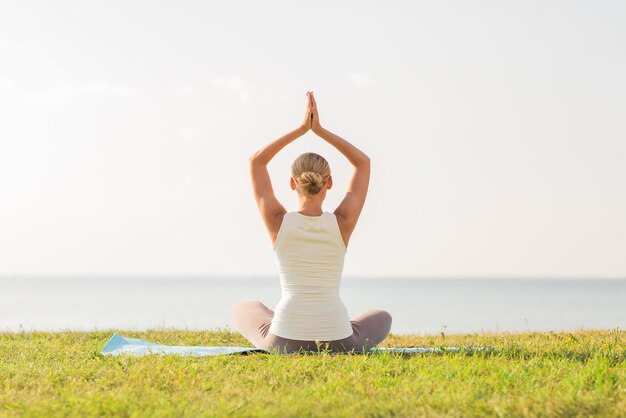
(315, 118)
(308, 115)
(311, 117)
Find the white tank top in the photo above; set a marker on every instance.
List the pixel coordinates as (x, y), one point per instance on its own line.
(310, 253)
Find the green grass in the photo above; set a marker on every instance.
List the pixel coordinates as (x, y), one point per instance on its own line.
(532, 374)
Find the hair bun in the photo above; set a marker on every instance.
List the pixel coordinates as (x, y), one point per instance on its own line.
(311, 172)
(311, 181)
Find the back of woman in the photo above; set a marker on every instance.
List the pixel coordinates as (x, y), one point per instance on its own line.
(310, 246)
(310, 255)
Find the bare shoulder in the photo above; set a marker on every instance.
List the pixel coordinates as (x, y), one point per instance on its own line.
(346, 226)
(273, 224)
(350, 208)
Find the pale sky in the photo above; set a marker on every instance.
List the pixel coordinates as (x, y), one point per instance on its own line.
(496, 131)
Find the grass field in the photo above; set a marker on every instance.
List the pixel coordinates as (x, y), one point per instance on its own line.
(532, 374)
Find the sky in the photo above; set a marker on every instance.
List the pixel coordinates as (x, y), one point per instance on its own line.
(495, 129)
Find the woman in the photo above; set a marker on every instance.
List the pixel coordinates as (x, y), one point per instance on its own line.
(310, 246)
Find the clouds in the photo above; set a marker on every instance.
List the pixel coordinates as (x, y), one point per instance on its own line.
(191, 132)
(35, 78)
(65, 92)
(247, 93)
(12, 47)
(234, 84)
(7, 83)
(208, 117)
(125, 115)
(360, 79)
(107, 88)
(52, 96)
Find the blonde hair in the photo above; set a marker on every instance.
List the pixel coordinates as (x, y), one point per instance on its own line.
(311, 172)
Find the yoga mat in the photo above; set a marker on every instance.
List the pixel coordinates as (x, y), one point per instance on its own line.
(118, 345)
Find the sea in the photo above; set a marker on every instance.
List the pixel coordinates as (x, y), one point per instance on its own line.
(422, 306)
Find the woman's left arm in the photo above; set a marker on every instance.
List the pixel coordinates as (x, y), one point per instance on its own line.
(271, 209)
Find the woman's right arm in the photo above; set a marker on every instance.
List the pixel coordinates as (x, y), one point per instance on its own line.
(349, 209)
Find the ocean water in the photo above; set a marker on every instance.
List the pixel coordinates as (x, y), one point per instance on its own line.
(418, 306)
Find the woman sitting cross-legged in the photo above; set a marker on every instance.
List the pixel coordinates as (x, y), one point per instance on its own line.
(310, 246)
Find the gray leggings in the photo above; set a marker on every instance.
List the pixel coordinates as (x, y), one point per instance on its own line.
(253, 319)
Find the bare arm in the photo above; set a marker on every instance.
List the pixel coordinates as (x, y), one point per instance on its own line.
(271, 209)
(265, 154)
(349, 209)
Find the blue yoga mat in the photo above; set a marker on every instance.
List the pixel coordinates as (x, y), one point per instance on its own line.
(118, 345)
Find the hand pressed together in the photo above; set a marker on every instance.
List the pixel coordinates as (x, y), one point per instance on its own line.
(311, 117)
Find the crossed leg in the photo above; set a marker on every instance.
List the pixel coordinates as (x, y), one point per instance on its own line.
(253, 319)
(370, 328)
